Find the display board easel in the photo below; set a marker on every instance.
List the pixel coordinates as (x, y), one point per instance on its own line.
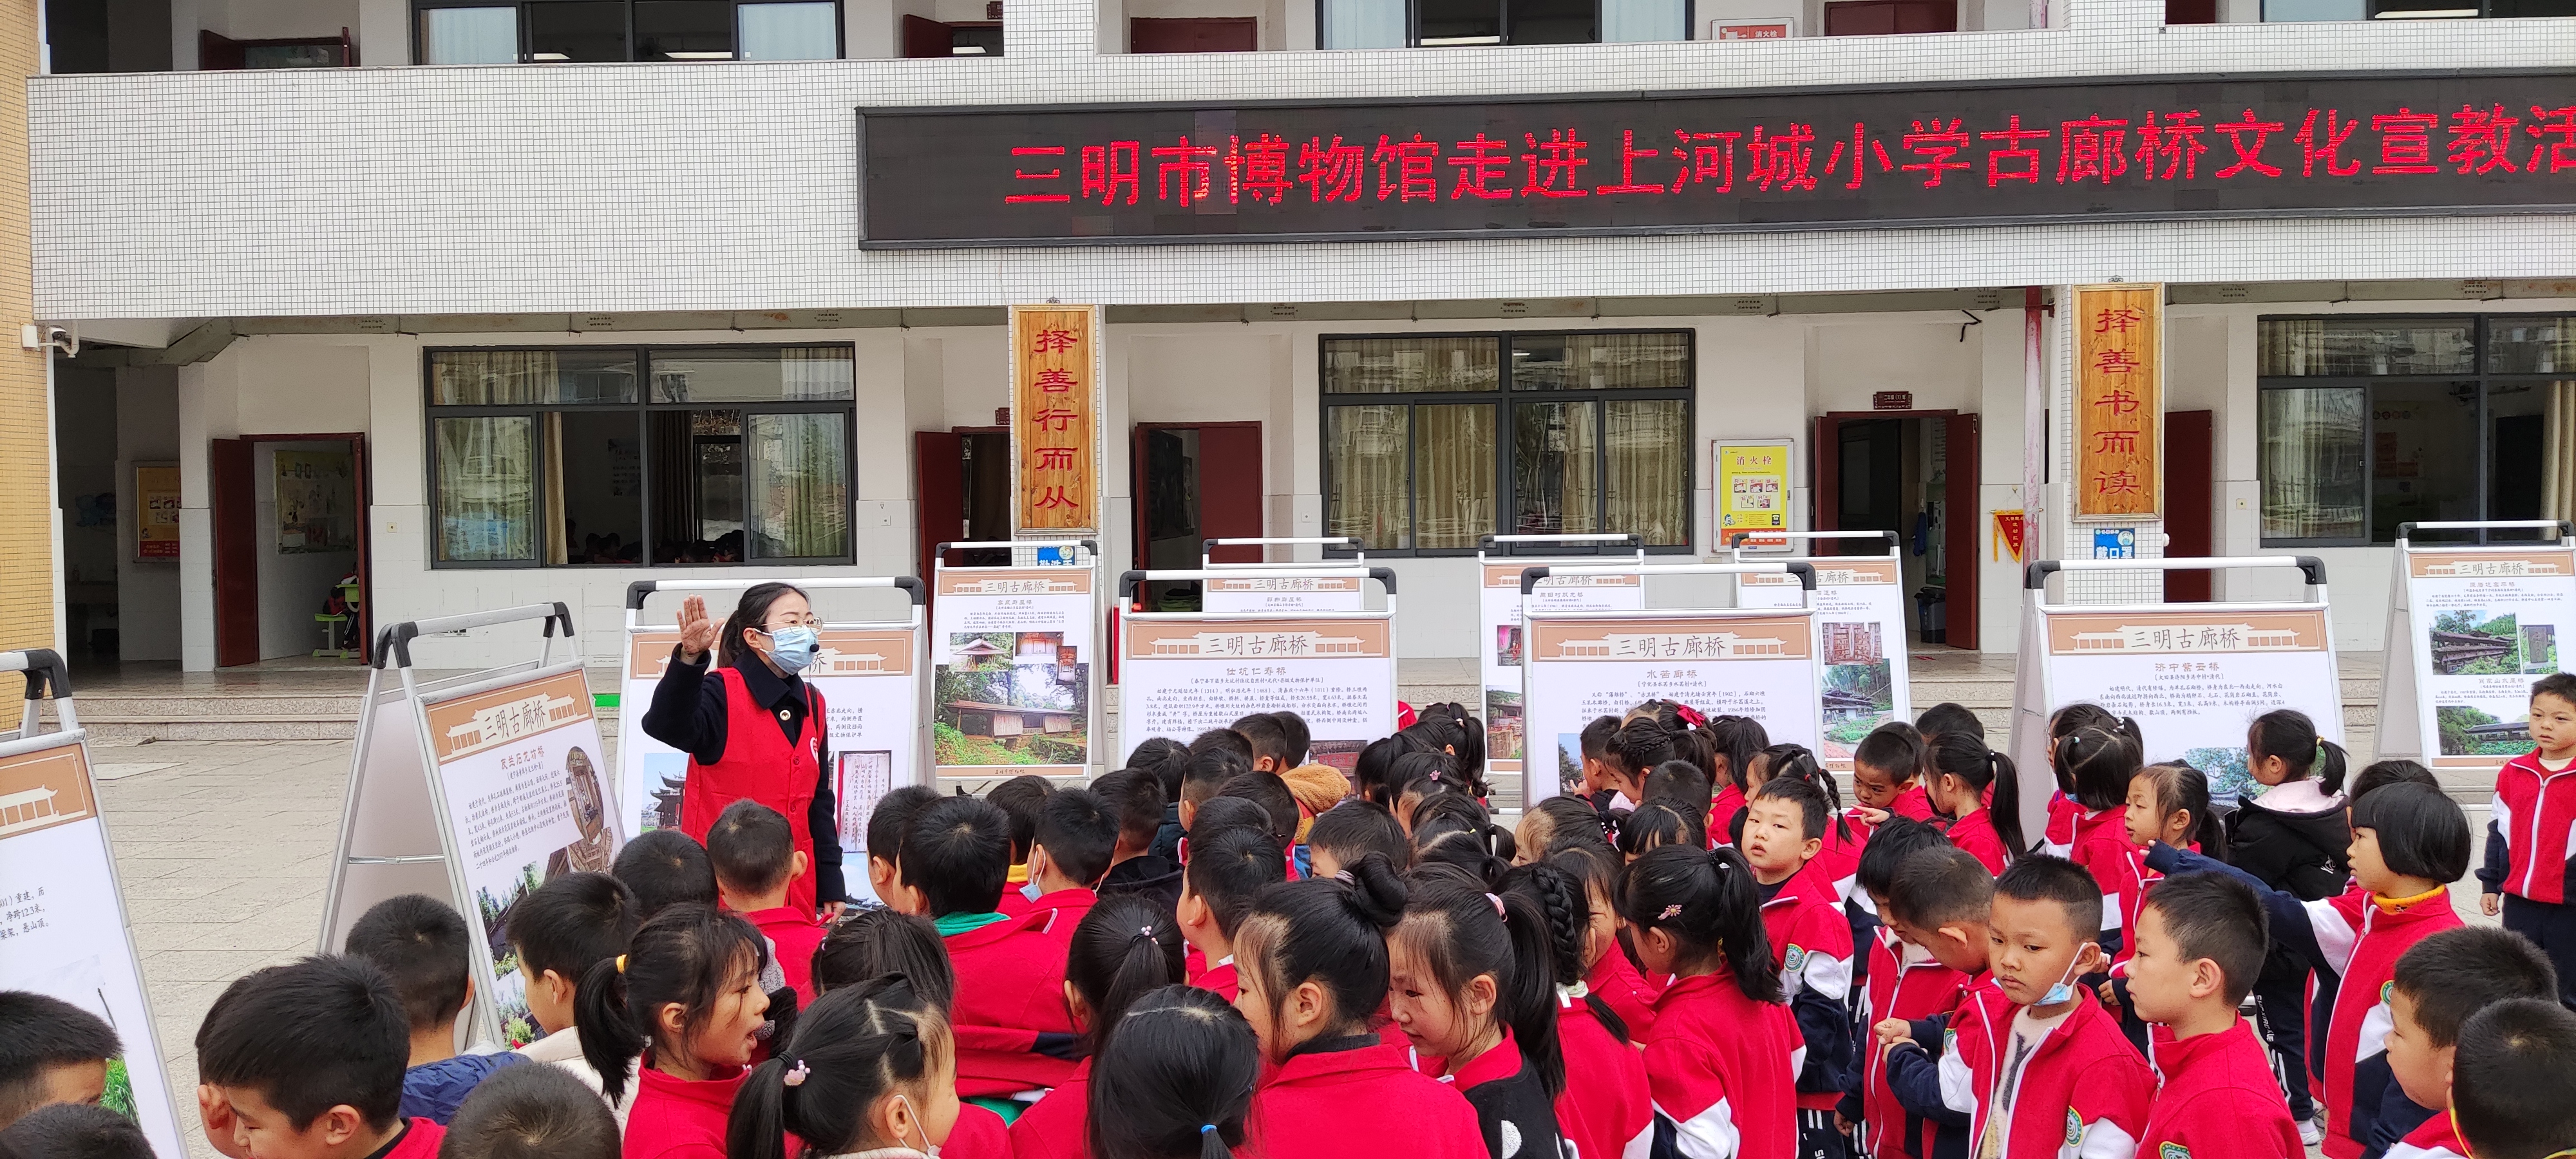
(1500, 559)
(1860, 630)
(1182, 673)
(1258, 587)
(1578, 665)
(2194, 676)
(2470, 627)
(472, 788)
(67, 934)
(1015, 660)
(872, 677)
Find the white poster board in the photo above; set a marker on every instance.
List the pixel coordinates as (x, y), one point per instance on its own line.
(473, 789)
(2469, 629)
(63, 926)
(2194, 676)
(1759, 663)
(870, 675)
(1014, 663)
(1499, 640)
(1252, 592)
(1860, 638)
(1183, 674)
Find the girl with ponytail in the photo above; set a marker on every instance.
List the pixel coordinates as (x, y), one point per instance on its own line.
(685, 998)
(1174, 1079)
(1311, 960)
(1453, 828)
(1474, 989)
(2096, 765)
(872, 1069)
(1959, 770)
(2294, 835)
(1603, 1109)
(2064, 812)
(1721, 1061)
(1611, 980)
(1126, 947)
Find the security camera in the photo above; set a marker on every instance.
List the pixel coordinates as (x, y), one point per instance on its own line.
(35, 336)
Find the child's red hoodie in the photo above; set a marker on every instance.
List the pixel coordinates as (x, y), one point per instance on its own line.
(2063, 813)
(1220, 978)
(1604, 1110)
(1628, 991)
(1975, 833)
(794, 934)
(1811, 944)
(1054, 1127)
(2102, 846)
(1913, 801)
(1724, 1069)
(1365, 1103)
(1723, 808)
(2084, 1084)
(2436, 1139)
(1014, 1032)
(674, 1118)
(2219, 1101)
(2530, 851)
(1064, 909)
(1906, 982)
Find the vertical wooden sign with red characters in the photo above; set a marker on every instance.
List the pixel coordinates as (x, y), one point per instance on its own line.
(1055, 418)
(2119, 401)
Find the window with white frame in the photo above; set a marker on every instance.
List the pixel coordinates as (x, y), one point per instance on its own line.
(1439, 23)
(565, 31)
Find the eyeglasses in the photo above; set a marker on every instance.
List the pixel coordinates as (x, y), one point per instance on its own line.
(809, 620)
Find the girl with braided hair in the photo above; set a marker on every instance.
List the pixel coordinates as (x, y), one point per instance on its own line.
(1603, 1109)
(1722, 1061)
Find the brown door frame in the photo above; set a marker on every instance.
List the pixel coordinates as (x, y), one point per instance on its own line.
(1138, 544)
(1825, 489)
(357, 441)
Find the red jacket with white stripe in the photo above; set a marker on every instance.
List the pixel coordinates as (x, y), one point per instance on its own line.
(2528, 826)
(1360, 1104)
(2219, 1101)
(2082, 1094)
(1724, 1069)
(1904, 982)
(1811, 944)
(2436, 1139)
(1976, 834)
(1604, 1110)
(2102, 846)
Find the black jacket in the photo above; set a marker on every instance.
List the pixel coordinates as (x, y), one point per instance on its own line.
(1146, 875)
(2293, 838)
(689, 713)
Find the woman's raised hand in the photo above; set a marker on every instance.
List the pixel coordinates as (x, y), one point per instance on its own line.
(697, 632)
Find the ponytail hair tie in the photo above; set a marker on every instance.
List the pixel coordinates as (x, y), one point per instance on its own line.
(1207, 1128)
(1497, 899)
(621, 963)
(796, 1075)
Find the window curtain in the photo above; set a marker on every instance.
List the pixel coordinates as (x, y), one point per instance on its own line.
(814, 373)
(2310, 452)
(495, 377)
(486, 485)
(1365, 446)
(2558, 452)
(470, 35)
(1556, 467)
(2292, 346)
(798, 487)
(1632, 21)
(1453, 474)
(1649, 446)
(787, 32)
(1364, 24)
(557, 536)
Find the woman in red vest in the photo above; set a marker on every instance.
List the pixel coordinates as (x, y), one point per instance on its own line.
(754, 731)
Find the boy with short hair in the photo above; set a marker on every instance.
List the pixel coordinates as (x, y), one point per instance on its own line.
(753, 851)
(1217, 889)
(665, 867)
(75, 1131)
(562, 929)
(1077, 836)
(2530, 871)
(1295, 734)
(1948, 717)
(420, 943)
(1942, 899)
(2513, 1089)
(1018, 799)
(1352, 830)
(1885, 772)
(893, 814)
(1209, 770)
(1277, 801)
(50, 1052)
(1269, 742)
(1904, 982)
(1014, 1031)
(2440, 982)
(1222, 738)
(1594, 743)
(1811, 943)
(535, 1112)
(1136, 796)
(306, 1061)
(2199, 944)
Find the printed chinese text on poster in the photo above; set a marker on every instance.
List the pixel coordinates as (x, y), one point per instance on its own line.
(1752, 489)
(1499, 643)
(1761, 665)
(2194, 677)
(1055, 352)
(1182, 677)
(1013, 655)
(2483, 625)
(2119, 400)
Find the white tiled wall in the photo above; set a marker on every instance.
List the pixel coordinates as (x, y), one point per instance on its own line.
(730, 186)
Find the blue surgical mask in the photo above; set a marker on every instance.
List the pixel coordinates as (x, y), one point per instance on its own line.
(1031, 891)
(2064, 991)
(792, 648)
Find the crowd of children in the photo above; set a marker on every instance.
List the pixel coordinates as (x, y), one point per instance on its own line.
(1226, 949)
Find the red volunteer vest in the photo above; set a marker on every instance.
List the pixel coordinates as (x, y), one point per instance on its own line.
(760, 765)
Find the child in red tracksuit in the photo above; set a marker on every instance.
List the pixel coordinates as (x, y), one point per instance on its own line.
(1125, 948)
(1604, 1109)
(281, 1033)
(2530, 871)
(1963, 774)
(1940, 899)
(2098, 763)
(1014, 1030)
(1723, 1060)
(1811, 941)
(1077, 834)
(1474, 994)
(868, 1072)
(2407, 841)
(872, 943)
(1887, 772)
(754, 854)
(708, 963)
(1904, 982)
(1217, 887)
(1609, 978)
(1311, 960)
(2199, 945)
(2440, 984)
(2513, 1094)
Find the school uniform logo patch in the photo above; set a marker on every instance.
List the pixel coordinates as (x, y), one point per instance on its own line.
(1795, 961)
(2074, 1127)
(2388, 992)
(2173, 1151)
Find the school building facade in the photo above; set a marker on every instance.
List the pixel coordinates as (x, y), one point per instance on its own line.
(447, 305)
